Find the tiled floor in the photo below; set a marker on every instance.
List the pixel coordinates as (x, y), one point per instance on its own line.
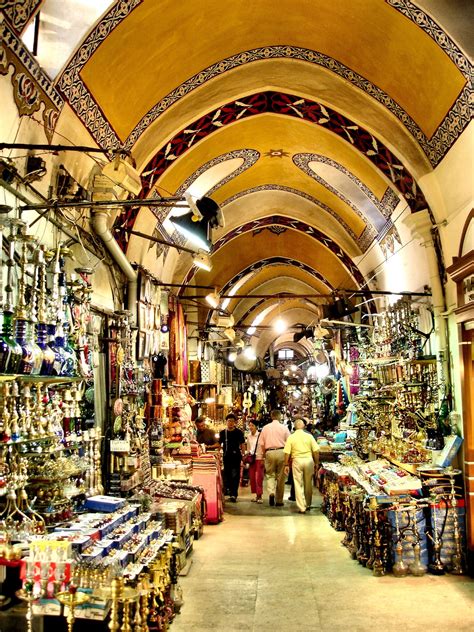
(272, 569)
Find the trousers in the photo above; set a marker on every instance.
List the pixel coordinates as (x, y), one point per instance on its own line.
(303, 470)
(232, 475)
(275, 473)
(256, 477)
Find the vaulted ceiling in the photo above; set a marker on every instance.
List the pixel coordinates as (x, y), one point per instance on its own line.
(309, 122)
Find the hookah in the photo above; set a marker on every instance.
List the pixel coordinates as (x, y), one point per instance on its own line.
(32, 357)
(81, 313)
(416, 568)
(65, 360)
(400, 569)
(377, 565)
(5, 417)
(361, 554)
(72, 598)
(456, 560)
(10, 351)
(436, 566)
(42, 326)
(70, 367)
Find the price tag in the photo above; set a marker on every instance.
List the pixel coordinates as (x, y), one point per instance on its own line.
(119, 445)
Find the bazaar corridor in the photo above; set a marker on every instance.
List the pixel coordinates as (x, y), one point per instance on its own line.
(272, 569)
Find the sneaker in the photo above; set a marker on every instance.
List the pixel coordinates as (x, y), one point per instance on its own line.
(271, 500)
(233, 499)
(259, 501)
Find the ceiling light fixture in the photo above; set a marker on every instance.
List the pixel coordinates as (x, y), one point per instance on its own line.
(280, 326)
(213, 299)
(202, 260)
(232, 356)
(250, 353)
(197, 233)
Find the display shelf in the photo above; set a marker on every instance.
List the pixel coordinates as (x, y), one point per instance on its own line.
(48, 379)
(40, 379)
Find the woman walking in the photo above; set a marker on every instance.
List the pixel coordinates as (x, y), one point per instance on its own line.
(255, 459)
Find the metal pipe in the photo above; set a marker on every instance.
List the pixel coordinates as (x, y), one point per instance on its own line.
(100, 224)
(169, 201)
(46, 147)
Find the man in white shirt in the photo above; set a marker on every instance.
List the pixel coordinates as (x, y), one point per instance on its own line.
(303, 450)
(272, 442)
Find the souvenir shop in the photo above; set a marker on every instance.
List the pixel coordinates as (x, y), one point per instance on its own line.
(164, 258)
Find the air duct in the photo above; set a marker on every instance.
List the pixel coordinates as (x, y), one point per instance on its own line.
(100, 225)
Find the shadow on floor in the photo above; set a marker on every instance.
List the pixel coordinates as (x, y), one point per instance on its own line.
(245, 507)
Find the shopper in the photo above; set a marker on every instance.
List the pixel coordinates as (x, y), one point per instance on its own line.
(272, 442)
(204, 434)
(232, 441)
(303, 450)
(255, 459)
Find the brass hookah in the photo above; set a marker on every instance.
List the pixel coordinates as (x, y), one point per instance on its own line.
(457, 558)
(436, 566)
(14, 357)
(378, 568)
(416, 568)
(72, 598)
(399, 569)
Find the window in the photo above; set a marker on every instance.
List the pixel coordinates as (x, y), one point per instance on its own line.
(286, 354)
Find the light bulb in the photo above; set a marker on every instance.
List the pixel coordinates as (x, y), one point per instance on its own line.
(232, 356)
(294, 368)
(286, 372)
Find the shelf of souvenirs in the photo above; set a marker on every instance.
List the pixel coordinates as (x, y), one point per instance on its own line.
(41, 379)
(390, 360)
(111, 551)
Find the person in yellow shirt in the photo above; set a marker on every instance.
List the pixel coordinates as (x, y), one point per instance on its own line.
(303, 450)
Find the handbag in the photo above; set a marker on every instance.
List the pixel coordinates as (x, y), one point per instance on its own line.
(251, 458)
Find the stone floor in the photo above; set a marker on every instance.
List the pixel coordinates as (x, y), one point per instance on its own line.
(272, 569)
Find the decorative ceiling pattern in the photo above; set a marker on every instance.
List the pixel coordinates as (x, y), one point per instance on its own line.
(19, 12)
(388, 203)
(75, 90)
(363, 241)
(32, 88)
(293, 106)
(294, 224)
(249, 157)
(379, 224)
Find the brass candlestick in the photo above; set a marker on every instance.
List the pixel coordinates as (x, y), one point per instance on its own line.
(72, 598)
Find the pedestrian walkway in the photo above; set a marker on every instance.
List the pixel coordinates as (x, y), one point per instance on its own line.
(273, 569)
